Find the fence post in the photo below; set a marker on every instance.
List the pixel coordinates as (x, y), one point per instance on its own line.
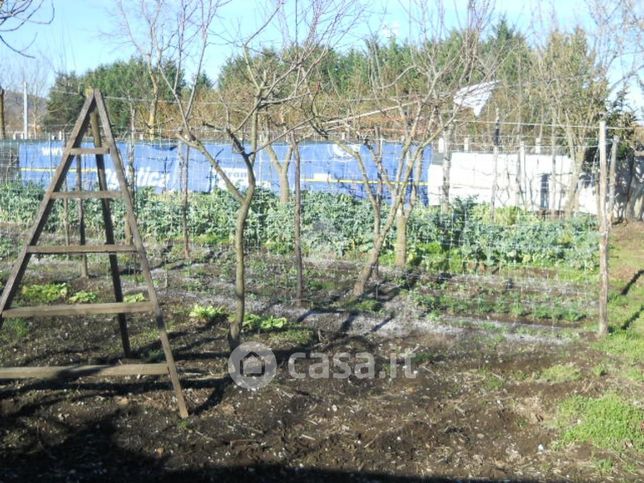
(612, 179)
(297, 220)
(603, 233)
(553, 175)
(447, 167)
(495, 173)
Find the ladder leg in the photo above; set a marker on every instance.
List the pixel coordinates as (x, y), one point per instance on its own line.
(172, 368)
(109, 231)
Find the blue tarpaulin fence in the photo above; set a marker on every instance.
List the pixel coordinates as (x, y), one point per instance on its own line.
(325, 167)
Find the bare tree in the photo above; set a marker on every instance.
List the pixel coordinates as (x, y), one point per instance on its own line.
(415, 102)
(149, 27)
(14, 14)
(187, 36)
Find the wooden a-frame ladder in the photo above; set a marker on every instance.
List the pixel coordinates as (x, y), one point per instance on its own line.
(92, 111)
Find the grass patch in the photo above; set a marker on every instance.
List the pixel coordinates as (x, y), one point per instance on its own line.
(623, 343)
(421, 357)
(365, 305)
(608, 422)
(491, 381)
(600, 370)
(292, 336)
(560, 373)
(635, 374)
(14, 329)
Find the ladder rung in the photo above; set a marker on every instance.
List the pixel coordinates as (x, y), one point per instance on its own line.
(71, 249)
(67, 372)
(70, 195)
(78, 309)
(102, 150)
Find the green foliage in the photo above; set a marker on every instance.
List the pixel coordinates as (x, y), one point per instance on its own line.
(491, 381)
(560, 373)
(365, 305)
(607, 422)
(14, 329)
(264, 323)
(134, 298)
(623, 343)
(422, 357)
(83, 297)
(44, 293)
(7, 248)
(208, 313)
(463, 240)
(64, 102)
(600, 370)
(118, 82)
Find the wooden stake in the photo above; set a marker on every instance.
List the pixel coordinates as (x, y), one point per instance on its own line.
(612, 180)
(495, 173)
(297, 220)
(603, 233)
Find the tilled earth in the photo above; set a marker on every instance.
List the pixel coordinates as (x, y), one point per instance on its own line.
(475, 408)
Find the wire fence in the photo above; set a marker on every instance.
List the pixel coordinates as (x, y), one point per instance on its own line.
(511, 264)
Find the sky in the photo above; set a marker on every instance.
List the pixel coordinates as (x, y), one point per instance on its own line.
(78, 38)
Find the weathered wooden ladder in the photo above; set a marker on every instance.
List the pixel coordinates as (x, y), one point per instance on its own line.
(93, 110)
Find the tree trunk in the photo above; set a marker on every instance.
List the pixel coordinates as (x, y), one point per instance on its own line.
(234, 332)
(553, 176)
(185, 207)
(495, 182)
(447, 167)
(360, 286)
(3, 132)
(152, 115)
(400, 249)
(573, 189)
(284, 188)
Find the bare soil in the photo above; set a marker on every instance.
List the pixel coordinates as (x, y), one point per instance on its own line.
(475, 410)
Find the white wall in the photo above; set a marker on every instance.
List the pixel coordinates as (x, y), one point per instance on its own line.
(472, 174)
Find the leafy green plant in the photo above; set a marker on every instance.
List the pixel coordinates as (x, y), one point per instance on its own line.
(7, 248)
(600, 370)
(44, 293)
(134, 298)
(83, 297)
(264, 322)
(365, 305)
(208, 313)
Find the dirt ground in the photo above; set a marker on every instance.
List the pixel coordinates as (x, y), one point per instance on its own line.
(476, 410)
